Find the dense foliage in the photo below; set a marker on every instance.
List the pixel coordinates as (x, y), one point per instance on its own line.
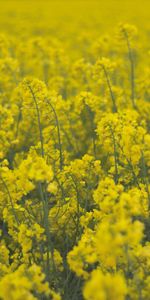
(74, 163)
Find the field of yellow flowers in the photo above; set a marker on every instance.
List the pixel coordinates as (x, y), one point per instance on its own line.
(74, 150)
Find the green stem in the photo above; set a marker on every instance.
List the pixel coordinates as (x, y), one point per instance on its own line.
(132, 69)
(39, 121)
(145, 177)
(58, 133)
(114, 108)
(115, 156)
(10, 199)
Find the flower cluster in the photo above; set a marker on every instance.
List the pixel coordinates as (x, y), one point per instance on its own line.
(74, 163)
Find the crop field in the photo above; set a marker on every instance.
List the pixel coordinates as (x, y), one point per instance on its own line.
(75, 150)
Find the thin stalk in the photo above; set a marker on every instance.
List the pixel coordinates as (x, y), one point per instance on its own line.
(131, 167)
(10, 199)
(39, 121)
(42, 194)
(46, 226)
(19, 119)
(132, 69)
(114, 108)
(115, 156)
(145, 177)
(92, 129)
(58, 133)
(78, 208)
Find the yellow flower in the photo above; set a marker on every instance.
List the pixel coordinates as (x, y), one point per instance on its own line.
(105, 286)
(52, 188)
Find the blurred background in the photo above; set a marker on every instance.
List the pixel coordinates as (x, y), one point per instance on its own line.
(46, 16)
